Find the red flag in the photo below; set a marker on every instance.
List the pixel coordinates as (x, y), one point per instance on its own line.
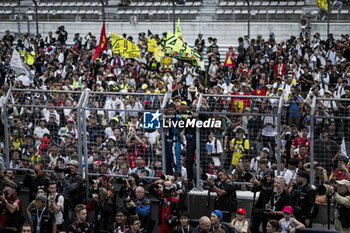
(103, 42)
(260, 92)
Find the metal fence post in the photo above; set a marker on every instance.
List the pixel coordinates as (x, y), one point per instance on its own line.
(312, 138)
(165, 100)
(86, 168)
(6, 129)
(198, 146)
(279, 112)
(80, 153)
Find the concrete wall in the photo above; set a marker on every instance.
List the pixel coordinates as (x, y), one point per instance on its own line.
(226, 32)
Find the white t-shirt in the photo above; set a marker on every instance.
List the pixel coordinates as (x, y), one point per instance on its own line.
(59, 214)
(241, 225)
(39, 132)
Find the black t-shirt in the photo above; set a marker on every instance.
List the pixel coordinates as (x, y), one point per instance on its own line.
(42, 220)
(305, 87)
(279, 202)
(77, 227)
(254, 125)
(225, 202)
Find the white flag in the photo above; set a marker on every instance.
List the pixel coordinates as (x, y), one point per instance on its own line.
(17, 65)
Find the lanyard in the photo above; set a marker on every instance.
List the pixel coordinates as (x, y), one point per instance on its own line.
(188, 230)
(41, 215)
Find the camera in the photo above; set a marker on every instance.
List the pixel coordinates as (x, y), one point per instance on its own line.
(65, 170)
(168, 190)
(207, 176)
(94, 193)
(248, 176)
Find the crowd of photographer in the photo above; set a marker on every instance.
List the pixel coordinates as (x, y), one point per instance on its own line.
(43, 137)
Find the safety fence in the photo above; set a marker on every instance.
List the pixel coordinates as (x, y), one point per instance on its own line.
(106, 133)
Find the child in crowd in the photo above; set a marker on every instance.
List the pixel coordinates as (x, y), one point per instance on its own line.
(289, 224)
(239, 223)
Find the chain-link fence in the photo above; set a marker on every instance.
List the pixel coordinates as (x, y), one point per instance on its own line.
(42, 126)
(330, 138)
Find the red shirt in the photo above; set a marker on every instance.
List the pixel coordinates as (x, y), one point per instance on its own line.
(299, 140)
(338, 175)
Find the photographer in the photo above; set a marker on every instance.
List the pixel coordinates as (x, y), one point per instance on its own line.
(226, 194)
(341, 196)
(141, 206)
(72, 187)
(129, 186)
(34, 179)
(164, 191)
(62, 35)
(11, 209)
(265, 186)
(104, 208)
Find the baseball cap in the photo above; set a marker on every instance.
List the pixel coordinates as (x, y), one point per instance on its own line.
(241, 211)
(288, 209)
(218, 213)
(344, 182)
(265, 149)
(74, 163)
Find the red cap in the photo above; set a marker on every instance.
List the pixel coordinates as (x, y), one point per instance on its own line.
(241, 211)
(230, 47)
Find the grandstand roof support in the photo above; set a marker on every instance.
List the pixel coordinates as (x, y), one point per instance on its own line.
(247, 1)
(36, 16)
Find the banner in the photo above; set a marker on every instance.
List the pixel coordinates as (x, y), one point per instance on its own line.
(152, 43)
(103, 42)
(174, 47)
(124, 47)
(178, 32)
(17, 65)
(323, 4)
(159, 53)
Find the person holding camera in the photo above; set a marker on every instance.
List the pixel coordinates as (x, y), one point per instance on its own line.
(259, 213)
(62, 35)
(11, 209)
(341, 195)
(34, 179)
(103, 206)
(72, 186)
(226, 194)
(165, 192)
(141, 206)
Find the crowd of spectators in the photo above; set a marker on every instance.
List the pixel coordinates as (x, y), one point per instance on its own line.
(43, 133)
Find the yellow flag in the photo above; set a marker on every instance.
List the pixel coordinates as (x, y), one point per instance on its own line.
(178, 32)
(159, 53)
(323, 4)
(152, 42)
(174, 47)
(124, 47)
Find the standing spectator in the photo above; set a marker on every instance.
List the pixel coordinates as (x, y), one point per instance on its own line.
(239, 145)
(226, 195)
(62, 35)
(303, 199)
(230, 60)
(34, 179)
(56, 204)
(200, 43)
(80, 225)
(11, 209)
(302, 139)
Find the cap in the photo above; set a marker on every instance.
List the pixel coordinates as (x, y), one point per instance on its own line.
(74, 163)
(280, 89)
(322, 67)
(344, 182)
(280, 57)
(265, 149)
(245, 70)
(111, 83)
(218, 213)
(239, 129)
(230, 47)
(144, 86)
(288, 209)
(112, 138)
(167, 70)
(42, 119)
(328, 92)
(97, 162)
(303, 174)
(192, 89)
(62, 132)
(52, 115)
(241, 211)
(255, 109)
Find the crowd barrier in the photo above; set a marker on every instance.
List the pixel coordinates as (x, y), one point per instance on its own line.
(79, 123)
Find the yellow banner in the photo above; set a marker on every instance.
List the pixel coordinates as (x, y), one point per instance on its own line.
(124, 47)
(174, 47)
(323, 4)
(166, 61)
